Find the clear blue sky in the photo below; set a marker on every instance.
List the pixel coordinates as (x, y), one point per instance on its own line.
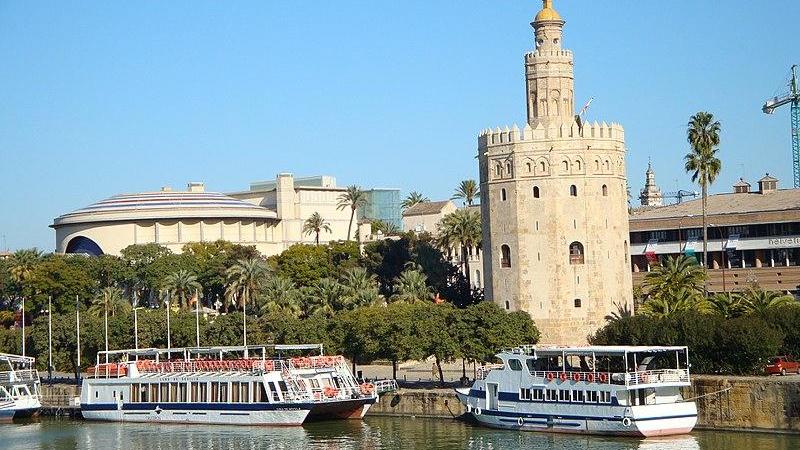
(99, 98)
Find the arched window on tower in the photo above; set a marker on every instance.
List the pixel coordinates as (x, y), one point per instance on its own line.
(573, 191)
(542, 167)
(536, 192)
(576, 253)
(503, 194)
(508, 169)
(605, 191)
(529, 167)
(505, 256)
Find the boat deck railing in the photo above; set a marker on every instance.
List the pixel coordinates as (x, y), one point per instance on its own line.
(19, 375)
(382, 386)
(646, 377)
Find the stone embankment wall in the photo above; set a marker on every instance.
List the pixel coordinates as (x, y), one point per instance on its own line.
(751, 403)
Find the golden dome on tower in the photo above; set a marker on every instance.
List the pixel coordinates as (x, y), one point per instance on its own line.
(547, 12)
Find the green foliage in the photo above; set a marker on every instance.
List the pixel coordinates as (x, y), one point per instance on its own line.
(181, 286)
(414, 198)
(359, 288)
(280, 294)
(411, 286)
(315, 224)
(304, 264)
(353, 198)
(245, 281)
(385, 228)
(467, 191)
(461, 229)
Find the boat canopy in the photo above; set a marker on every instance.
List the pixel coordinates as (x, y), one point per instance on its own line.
(597, 350)
(189, 352)
(16, 358)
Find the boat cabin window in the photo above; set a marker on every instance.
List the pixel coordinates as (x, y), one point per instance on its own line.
(563, 395)
(537, 394)
(591, 396)
(514, 364)
(578, 396)
(524, 394)
(552, 395)
(605, 397)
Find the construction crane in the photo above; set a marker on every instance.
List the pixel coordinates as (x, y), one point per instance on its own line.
(681, 194)
(793, 98)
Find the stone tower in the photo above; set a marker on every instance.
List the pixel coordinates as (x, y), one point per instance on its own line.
(554, 203)
(651, 194)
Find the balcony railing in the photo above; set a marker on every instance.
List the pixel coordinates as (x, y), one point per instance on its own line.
(649, 377)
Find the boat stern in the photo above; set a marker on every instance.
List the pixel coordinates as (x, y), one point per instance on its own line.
(663, 420)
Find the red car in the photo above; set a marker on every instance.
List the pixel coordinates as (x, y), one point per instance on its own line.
(782, 365)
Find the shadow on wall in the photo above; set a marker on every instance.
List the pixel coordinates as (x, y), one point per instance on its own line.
(83, 245)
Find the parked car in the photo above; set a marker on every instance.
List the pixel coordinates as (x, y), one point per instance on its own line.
(781, 365)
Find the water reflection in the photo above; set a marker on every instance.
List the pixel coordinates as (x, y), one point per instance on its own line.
(374, 433)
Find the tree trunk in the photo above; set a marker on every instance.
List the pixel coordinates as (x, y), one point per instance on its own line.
(466, 266)
(316, 238)
(463, 368)
(354, 366)
(705, 232)
(350, 225)
(394, 369)
(439, 366)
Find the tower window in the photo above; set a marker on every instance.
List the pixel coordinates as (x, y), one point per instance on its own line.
(503, 194)
(577, 303)
(605, 191)
(505, 258)
(542, 167)
(529, 167)
(508, 305)
(536, 192)
(573, 190)
(508, 169)
(576, 253)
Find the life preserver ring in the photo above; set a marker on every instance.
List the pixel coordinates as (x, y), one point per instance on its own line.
(477, 411)
(603, 377)
(626, 422)
(520, 421)
(576, 376)
(562, 376)
(590, 377)
(550, 376)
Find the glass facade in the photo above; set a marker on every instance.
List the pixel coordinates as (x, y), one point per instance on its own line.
(383, 204)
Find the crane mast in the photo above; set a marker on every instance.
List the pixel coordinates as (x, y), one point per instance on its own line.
(791, 98)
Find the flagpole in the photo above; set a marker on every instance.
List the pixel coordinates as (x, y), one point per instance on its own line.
(135, 323)
(169, 340)
(23, 325)
(78, 333)
(197, 316)
(50, 338)
(244, 320)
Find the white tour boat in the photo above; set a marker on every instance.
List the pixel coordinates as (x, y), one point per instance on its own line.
(20, 394)
(612, 390)
(222, 385)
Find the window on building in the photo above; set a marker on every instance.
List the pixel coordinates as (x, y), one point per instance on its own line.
(508, 168)
(503, 194)
(605, 191)
(529, 167)
(536, 192)
(573, 191)
(576, 253)
(578, 165)
(498, 170)
(577, 303)
(478, 278)
(505, 259)
(542, 167)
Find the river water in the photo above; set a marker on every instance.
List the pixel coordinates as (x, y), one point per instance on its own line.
(373, 433)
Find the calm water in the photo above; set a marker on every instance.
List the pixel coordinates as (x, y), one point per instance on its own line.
(374, 433)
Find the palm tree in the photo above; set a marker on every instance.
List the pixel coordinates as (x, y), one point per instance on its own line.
(411, 286)
(467, 190)
(623, 311)
(245, 279)
(703, 136)
(280, 294)
(314, 225)
(23, 263)
(323, 297)
(182, 285)
(761, 303)
(414, 198)
(679, 273)
(674, 301)
(727, 305)
(387, 228)
(109, 301)
(359, 288)
(353, 198)
(461, 228)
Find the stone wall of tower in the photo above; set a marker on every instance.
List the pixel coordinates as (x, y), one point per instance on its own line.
(514, 164)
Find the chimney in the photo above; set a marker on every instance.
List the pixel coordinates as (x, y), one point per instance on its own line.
(741, 187)
(767, 184)
(196, 186)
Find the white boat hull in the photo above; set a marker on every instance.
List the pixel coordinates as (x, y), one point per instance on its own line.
(228, 415)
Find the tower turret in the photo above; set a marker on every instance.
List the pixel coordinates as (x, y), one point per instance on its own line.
(549, 71)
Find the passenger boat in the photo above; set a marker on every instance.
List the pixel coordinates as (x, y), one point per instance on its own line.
(612, 390)
(223, 385)
(20, 393)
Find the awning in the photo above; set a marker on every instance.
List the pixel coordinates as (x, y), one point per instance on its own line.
(650, 250)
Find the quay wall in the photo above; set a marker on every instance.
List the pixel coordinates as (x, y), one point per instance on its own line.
(749, 403)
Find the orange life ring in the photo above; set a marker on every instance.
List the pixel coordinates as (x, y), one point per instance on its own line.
(576, 376)
(603, 377)
(590, 377)
(550, 376)
(562, 376)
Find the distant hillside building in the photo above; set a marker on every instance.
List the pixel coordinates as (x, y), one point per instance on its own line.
(554, 203)
(754, 237)
(650, 195)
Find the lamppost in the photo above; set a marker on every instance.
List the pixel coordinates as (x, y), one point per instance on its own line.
(50, 339)
(78, 338)
(136, 309)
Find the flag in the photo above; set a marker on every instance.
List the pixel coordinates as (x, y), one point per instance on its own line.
(193, 300)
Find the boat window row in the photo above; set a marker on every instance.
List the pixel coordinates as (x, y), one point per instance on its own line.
(565, 395)
(207, 392)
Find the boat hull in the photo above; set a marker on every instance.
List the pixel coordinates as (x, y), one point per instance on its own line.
(354, 409)
(253, 414)
(18, 409)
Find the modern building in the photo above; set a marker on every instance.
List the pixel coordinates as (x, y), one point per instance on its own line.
(269, 216)
(753, 237)
(425, 217)
(383, 204)
(554, 203)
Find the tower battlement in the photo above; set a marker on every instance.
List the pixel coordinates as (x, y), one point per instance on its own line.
(539, 53)
(594, 130)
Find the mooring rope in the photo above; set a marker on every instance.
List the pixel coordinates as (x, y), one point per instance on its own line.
(706, 395)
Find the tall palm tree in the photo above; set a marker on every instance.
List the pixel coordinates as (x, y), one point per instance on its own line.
(411, 286)
(681, 272)
(23, 263)
(245, 280)
(182, 285)
(761, 303)
(353, 198)
(414, 198)
(703, 136)
(280, 294)
(359, 288)
(461, 228)
(323, 297)
(467, 190)
(111, 301)
(314, 225)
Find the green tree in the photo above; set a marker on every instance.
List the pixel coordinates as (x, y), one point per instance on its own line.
(727, 305)
(323, 297)
(211, 260)
(280, 294)
(467, 191)
(111, 300)
(182, 285)
(414, 198)
(462, 229)
(305, 264)
(623, 310)
(680, 274)
(763, 303)
(411, 286)
(315, 224)
(674, 301)
(245, 281)
(22, 264)
(359, 288)
(703, 136)
(353, 198)
(385, 228)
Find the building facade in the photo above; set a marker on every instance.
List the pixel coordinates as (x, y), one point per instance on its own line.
(554, 203)
(383, 204)
(269, 216)
(753, 237)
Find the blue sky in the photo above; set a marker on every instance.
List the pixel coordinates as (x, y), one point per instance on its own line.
(98, 98)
